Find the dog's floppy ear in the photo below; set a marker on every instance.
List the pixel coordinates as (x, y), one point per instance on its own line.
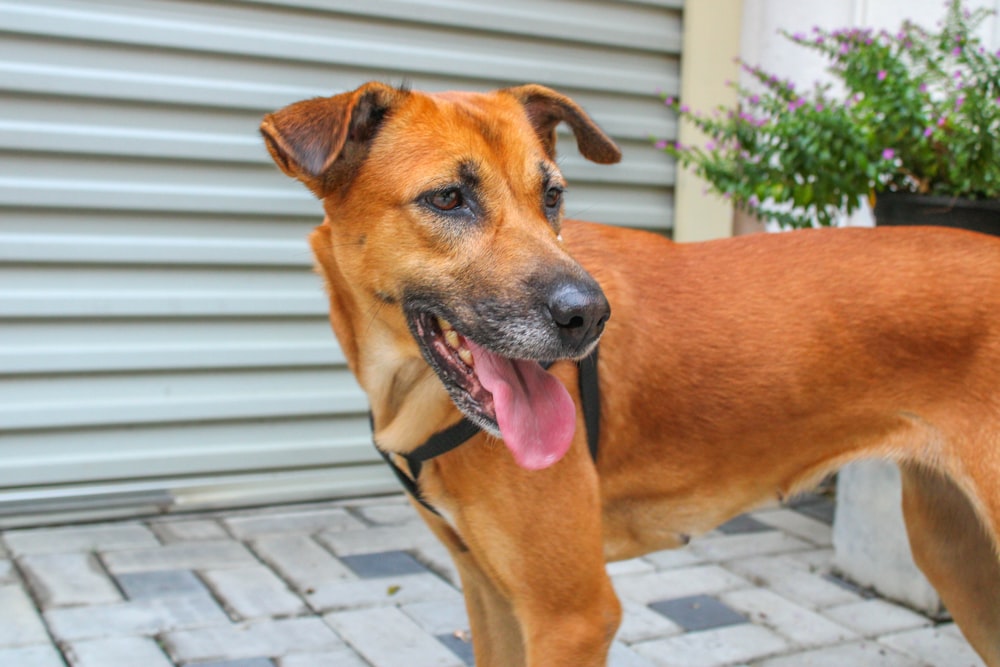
(322, 141)
(546, 108)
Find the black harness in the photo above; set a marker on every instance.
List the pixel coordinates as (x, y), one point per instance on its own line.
(444, 441)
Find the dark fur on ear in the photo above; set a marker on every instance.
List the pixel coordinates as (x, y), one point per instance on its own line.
(322, 141)
(546, 109)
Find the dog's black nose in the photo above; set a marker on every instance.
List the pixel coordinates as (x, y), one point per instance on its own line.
(579, 311)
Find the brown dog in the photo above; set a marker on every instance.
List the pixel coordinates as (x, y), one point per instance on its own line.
(732, 372)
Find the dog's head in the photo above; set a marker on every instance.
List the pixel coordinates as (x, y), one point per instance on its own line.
(444, 214)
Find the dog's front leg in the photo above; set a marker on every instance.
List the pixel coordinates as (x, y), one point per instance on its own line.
(534, 575)
(495, 628)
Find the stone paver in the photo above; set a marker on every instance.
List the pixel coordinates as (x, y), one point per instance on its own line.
(141, 617)
(623, 656)
(745, 545)
(438, 617)
(65, 579)
(385, 636)
(698, 612)
(713, 648)
(389, 514)
(797, 524)
(790, 578)
(863, 654)
(189, 531)
(43, 655)
(876, 617)
(342, 657)
(672, 558)
(935, 646)
(117, 652)
(214, 554)
(166, 583)
(380, 592)
(640, 623)
(682, 582)
(301, 561)
(308, 522)
(267, 639)
(788, 619)
(374, 540)
(254, 592)
(20, 624)
(363, 583)
(631, 566)
(106, 537)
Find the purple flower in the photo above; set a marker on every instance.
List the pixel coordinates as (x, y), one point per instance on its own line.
(941, 121)
(710, 146)
(928, 131)
(888, 154)
(959, 101)
(845, 48)
(957, 51)
(882, 74)
(755, 99)
(799, 36)
(753, 201)
(819, 107)
(669, 101)
(923, 87)
(684, 108)
(660, 145)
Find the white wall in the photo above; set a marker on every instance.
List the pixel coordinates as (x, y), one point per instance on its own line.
(761, 44)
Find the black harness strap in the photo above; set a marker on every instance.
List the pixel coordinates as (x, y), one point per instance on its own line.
(590, 400)
(460, 432)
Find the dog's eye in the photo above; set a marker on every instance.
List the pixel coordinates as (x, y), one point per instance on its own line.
(553, 197)
(446, 200)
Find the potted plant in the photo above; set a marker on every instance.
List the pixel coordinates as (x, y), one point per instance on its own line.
(911, 120)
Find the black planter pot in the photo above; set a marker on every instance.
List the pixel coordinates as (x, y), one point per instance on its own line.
(897, 208)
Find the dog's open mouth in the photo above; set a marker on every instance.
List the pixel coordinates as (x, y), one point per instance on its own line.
(515, 398)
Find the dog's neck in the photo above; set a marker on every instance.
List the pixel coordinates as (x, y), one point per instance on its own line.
(407, 399)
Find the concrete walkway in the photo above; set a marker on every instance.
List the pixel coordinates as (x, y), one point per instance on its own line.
(362, 583)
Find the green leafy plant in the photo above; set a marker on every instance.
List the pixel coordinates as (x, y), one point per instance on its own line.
(915, 111)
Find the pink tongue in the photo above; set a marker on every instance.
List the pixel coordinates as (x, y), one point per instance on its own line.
(535, 413)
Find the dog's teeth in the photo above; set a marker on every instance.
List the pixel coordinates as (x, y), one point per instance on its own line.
(465, 354)
(444, 324)
(451, 337)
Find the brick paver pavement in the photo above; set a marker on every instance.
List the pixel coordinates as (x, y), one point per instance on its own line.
(362, 583)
